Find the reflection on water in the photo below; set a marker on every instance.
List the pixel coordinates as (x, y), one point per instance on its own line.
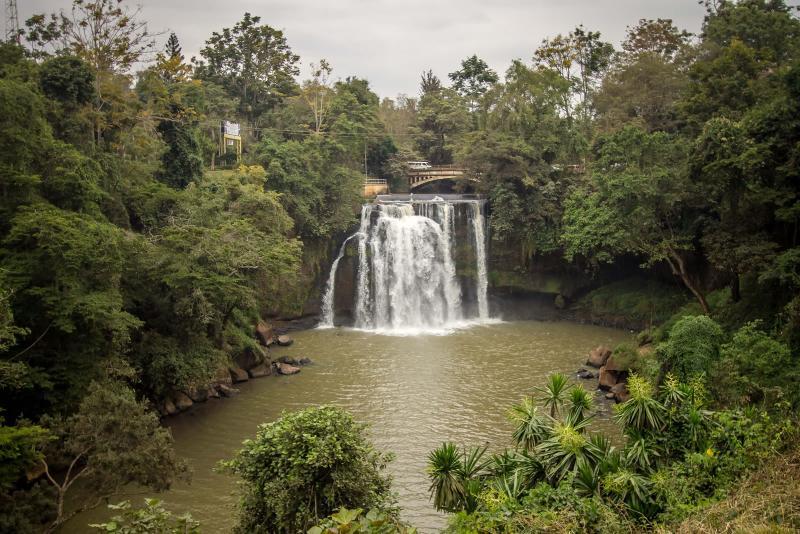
(415, 392)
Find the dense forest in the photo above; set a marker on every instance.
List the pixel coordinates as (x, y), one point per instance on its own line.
(137, 257)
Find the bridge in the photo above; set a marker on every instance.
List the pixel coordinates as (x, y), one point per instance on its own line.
(434, 173)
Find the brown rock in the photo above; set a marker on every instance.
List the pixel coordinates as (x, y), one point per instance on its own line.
(168, 407)
(264, 333)
(620, 392)
(212, 392)
(182, 401)
(598, 356)
(197, 394)
(251, 357)
(286, 369)
(607, 379)
(260, 370)
(285, 341)
(223, 376)
(609, 395)
(227, 391)
(238, 375)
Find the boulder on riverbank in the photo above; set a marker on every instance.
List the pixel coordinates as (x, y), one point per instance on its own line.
(238, 374)
(250, 357)
(260, 370)
(598, 356)
(585, 374)
(227, 391)
(168, 408)
(286, 369)
(284, 340)
(609, 378)
(182, 401)
(265, 334)
(620, 391)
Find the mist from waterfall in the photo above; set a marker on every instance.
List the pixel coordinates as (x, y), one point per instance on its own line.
(406, 279)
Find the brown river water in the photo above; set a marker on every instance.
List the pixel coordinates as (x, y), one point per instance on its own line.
(415, 392)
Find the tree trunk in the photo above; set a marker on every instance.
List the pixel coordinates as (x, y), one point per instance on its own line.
(736, 291)
(678, 267)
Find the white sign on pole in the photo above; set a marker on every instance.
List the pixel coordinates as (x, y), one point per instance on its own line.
(230, 128)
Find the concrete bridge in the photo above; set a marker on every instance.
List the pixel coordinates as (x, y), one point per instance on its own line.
(419, 177)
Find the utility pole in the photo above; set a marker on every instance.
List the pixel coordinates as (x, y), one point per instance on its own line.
(12, 22)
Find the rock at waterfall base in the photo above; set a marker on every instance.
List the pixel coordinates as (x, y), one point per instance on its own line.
(227, 391)
(286, 369)
(182, 401)
(260, 370)
(598, 356)
(265, 333)
(620, 392)
(284, 340)
(238, 375)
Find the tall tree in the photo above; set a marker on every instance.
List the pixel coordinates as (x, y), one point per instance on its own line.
(317, 93)
(473, 79)
(253, 62)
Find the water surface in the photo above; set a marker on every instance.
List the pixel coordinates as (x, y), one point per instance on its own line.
(414, 391)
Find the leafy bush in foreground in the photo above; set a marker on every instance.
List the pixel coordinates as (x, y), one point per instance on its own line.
(305, 466)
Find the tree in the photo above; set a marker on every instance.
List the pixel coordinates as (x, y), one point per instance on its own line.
(303, 467)
(104, 33)
(441, 115)
(182, 162)
(253, 62)
(429, 82)
(316, 92)
(645, 83)
(173, 46)
(639, 201)
(473, 79)
(111, 441)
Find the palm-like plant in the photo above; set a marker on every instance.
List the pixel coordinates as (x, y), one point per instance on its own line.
(641, 452)
(632, 489)
(561, 453)
(642, 411)
(553, 392)
(456, 477)
(444, 470)
(580, 403)
(531, 426)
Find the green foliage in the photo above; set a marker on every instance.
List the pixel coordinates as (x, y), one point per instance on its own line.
(692, 347)
(68, 80)
(253, 62)
(153, 518)
(634, 302)
(356, 521)
(755, 368)
(20, 450)
(303, 467)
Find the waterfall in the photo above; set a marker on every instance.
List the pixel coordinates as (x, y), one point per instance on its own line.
(406, 278)
(482, 283)
(327, 299)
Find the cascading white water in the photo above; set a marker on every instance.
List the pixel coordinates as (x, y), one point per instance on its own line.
(326, 321)
(481, 279)
(406, 278)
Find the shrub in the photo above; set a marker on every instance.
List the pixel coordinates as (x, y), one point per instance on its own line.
(305, 466)
(755, 367)
(693, 345)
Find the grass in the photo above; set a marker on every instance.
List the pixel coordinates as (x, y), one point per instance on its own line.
(766, 502)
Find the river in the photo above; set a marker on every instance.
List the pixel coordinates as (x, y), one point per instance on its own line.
(414, 391)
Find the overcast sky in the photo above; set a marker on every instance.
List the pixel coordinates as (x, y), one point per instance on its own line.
(390, 42)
